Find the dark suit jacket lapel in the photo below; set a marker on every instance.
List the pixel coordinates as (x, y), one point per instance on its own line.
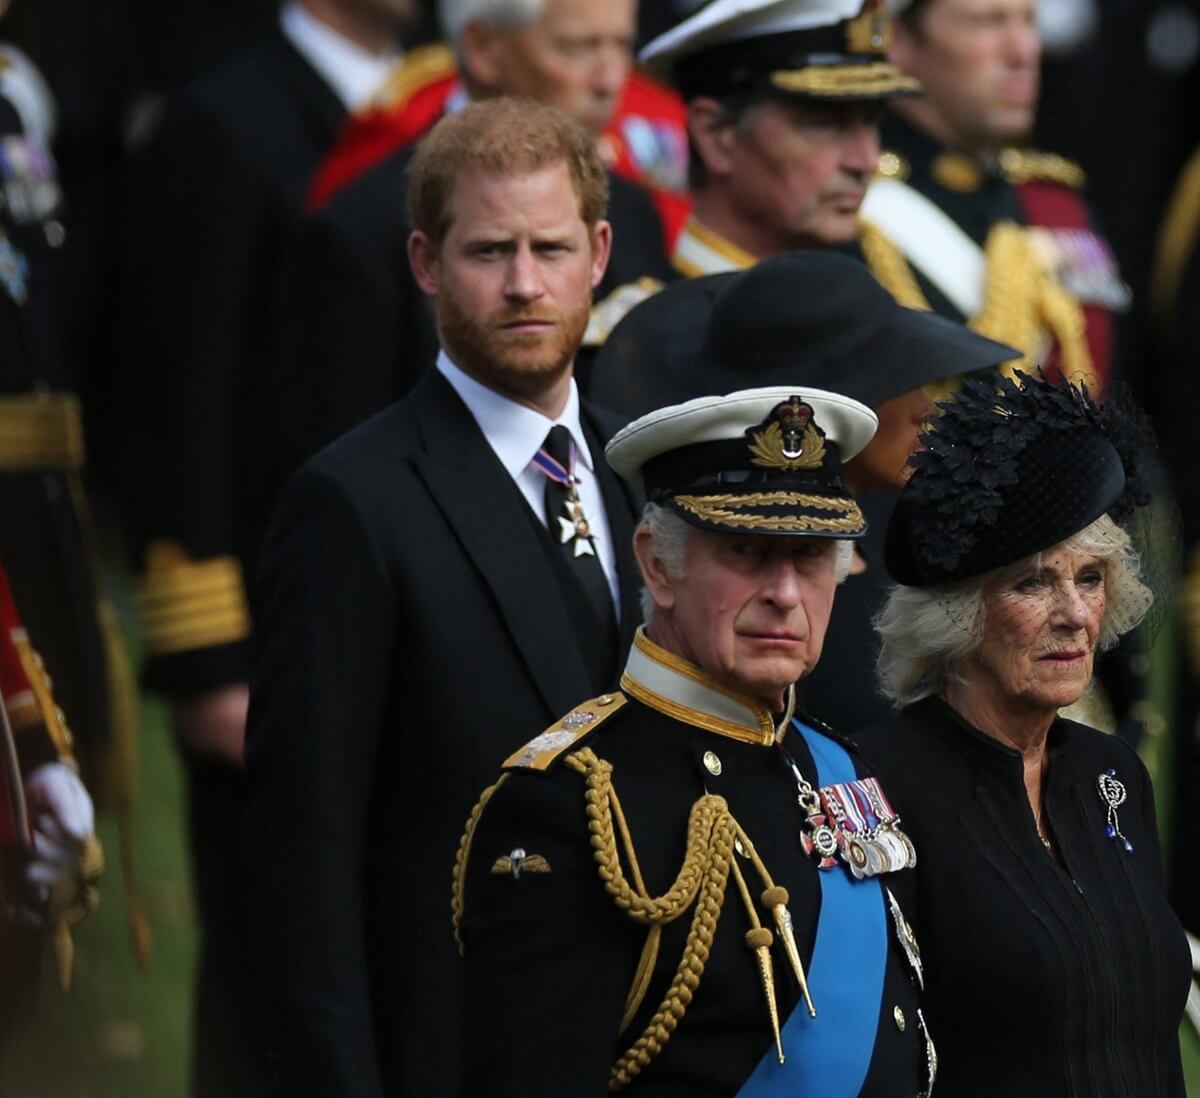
(490, 517)
(623, 508)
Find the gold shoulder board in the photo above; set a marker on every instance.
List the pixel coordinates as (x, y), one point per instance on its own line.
(607, 314)
(542, 751)
(1029, 166)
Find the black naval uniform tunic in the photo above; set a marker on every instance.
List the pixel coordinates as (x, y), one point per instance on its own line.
(550, 957)
(46, 540)
(214, 200)
(1044, 977)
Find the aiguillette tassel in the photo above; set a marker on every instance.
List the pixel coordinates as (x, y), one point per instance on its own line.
(775, 899)
(759, 939)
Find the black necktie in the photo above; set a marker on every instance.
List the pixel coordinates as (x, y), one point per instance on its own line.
(569, 527)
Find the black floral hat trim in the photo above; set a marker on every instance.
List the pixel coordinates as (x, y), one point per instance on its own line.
(963, 477)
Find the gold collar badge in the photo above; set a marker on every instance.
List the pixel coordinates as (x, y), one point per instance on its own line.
(788, 438)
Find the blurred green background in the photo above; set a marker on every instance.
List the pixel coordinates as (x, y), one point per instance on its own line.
(122, 1032)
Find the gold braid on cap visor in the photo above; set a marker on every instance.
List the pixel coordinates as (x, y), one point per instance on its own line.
(873, 78)
(721, 509)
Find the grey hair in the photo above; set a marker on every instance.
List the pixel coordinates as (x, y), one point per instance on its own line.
(929, 633)
(670, 534)
(454, 15)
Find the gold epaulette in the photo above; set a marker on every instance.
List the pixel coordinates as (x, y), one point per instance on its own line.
(1029, 166)
(607, 314)
(543, 751)
(418, 69)
(188, 604)
(42, 431)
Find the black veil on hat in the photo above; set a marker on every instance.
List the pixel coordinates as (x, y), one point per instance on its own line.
(1012, 467)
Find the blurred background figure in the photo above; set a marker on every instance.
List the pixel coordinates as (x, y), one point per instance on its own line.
(1174, 312)
(49, 856)
(965, 222)
(47, 542)
(1118, 84)
(352, 331)
(568, 53)
(211, 202)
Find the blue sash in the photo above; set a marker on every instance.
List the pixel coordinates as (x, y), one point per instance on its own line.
(828, 1056)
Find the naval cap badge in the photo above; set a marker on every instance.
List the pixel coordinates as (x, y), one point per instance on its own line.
(788, 438)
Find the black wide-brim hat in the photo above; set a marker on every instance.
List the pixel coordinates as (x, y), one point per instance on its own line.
(760, 461)
(1010, 468)
(825, 50)
(817, 319)
(822, 319)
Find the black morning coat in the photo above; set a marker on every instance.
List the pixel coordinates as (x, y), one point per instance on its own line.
(212, 202)
(412, 629)
(352, 331)
(1044, 977)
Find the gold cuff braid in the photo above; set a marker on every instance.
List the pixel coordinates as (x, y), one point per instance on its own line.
(190, 604)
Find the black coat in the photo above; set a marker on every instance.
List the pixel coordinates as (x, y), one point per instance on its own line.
(1043, 977)
(213, 202)
(550, 957)
(409, 634)
(352, 331)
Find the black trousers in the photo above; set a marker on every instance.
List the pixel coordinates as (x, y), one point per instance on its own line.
(228, 1028)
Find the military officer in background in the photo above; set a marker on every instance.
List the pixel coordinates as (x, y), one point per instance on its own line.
(963, 220)
(353, 333)
(570, 53)
(46, 537)
(49, 856)
(784, 99)
(212, 200)
(664, 890)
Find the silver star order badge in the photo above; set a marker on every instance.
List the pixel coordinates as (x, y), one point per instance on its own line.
(576, 526)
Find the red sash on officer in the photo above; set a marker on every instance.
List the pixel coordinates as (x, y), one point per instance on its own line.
(1052, 205)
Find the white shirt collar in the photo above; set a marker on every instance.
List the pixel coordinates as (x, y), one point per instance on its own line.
(354, 74)
(514, 431)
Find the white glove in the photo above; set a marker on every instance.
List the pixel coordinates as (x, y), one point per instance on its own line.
(63, 818)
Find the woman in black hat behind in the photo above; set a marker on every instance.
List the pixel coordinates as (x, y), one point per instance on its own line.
(1053, 963)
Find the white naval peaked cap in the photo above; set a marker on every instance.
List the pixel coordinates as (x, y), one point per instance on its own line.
(728, 418)
(762, 461)
(732, 20)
